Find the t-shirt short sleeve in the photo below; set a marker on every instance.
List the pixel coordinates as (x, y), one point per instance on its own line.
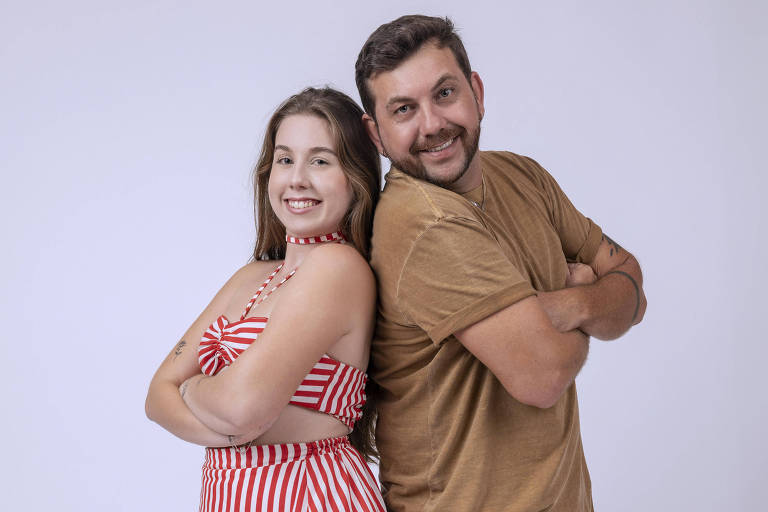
(579, 236)
(456, 275)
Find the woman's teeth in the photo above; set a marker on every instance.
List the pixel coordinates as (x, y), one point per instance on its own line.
(302, 204)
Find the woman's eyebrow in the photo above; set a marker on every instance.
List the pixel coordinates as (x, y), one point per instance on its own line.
(322, 149)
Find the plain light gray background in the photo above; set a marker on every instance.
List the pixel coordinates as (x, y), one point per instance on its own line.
(127, 134)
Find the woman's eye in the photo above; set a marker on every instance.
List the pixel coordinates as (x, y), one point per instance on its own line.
(320, 161)
(284, 160)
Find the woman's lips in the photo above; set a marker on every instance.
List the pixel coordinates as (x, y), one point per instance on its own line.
(301, 205)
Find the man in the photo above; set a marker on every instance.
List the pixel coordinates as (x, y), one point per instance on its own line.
(479, 337)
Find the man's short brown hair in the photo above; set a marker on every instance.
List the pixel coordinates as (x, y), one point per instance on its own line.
(393, 42)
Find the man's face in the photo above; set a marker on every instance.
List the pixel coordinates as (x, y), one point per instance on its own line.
(428, 118)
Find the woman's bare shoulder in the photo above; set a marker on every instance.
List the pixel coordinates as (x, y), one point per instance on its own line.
(339, 260)
(254, 270)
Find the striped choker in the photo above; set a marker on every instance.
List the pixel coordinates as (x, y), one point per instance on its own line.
(336, 236)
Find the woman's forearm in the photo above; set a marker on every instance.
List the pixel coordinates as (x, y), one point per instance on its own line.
(209, 399)
(166, 407)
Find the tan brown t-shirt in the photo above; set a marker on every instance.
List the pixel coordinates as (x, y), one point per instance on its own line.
(450, 437)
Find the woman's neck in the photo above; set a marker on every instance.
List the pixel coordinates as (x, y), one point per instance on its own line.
(297, 249)
(295, 254)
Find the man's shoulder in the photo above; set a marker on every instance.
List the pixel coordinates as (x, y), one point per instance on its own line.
(405, 198)
(409, 208)
(508, 166)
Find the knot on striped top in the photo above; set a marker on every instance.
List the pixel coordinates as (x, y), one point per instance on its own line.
(331, 386)
(222, 342)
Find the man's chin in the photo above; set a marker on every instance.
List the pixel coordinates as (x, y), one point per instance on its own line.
(445, 179)
(437, 175)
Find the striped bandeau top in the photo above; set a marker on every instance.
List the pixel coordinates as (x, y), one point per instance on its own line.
(330, 387)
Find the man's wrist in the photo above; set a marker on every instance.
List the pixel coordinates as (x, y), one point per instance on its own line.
(580, 302)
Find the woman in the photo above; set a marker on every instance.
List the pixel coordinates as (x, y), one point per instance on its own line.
(276, 413)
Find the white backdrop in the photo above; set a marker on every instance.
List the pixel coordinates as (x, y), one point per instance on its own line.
(127, 134)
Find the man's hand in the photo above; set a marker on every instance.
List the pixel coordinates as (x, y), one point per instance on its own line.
(603, 303)
(579, 274)
(564, 309)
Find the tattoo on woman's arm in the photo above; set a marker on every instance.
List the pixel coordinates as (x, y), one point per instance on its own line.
(179, 347)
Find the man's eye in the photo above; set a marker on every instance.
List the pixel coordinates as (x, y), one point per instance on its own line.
(444, 93)
(402, 110)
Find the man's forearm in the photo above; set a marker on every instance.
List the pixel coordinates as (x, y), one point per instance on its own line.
(564, 359)
(605, 309)
(615, 302)
(612, 304)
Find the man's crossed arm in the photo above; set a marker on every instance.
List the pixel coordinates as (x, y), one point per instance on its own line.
(537, 346)
(609, 306)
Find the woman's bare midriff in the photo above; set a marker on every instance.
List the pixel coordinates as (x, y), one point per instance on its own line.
(301, 425)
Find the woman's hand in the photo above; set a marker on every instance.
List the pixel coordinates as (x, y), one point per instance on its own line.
(184, 385)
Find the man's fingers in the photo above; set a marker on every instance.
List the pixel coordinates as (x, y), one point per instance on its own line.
(580, 274)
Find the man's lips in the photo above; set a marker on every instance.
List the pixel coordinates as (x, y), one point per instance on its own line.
(438, 143)
(440, 151)
(440, 147)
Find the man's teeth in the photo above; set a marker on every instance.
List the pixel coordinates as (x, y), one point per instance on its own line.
(301, 204)
(441, 147)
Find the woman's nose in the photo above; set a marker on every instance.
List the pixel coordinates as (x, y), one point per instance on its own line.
(300, 176)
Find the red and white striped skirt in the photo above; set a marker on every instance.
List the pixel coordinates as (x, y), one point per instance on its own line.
(322, 475)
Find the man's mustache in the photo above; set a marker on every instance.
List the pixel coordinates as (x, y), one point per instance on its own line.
(432, 141)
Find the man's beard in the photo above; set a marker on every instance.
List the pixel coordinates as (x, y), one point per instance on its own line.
(414, 166)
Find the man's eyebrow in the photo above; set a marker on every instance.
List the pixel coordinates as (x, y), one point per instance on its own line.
(397, 99)
(407, 99)
(440, 81)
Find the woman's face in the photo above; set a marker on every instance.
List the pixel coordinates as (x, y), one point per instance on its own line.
(308, 189)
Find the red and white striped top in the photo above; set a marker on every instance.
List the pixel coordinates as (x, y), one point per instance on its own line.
(331, 386)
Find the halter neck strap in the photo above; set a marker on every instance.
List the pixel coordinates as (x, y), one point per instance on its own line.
(256, 296)
(330, 237)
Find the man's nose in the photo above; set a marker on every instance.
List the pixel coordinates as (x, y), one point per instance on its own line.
(432, 120)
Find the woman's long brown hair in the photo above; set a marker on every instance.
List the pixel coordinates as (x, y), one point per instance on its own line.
(360, 162)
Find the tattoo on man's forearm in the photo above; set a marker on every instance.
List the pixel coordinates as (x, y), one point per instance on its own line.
(637, 290)
(616, 247)
(179, 347)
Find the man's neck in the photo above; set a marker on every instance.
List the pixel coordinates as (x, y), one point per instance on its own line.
(472, 179)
